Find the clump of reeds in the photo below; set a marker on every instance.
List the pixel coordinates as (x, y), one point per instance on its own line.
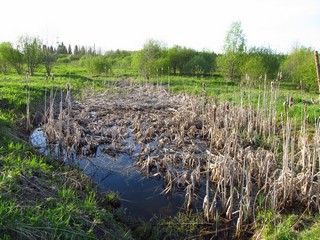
(50, 125)
(59, 131)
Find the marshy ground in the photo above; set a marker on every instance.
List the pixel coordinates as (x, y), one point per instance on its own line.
(201, 150)
(229, 162)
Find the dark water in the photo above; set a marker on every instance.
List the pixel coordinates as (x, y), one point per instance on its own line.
(140, 195)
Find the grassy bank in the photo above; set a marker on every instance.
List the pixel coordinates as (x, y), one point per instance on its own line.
(41, 198)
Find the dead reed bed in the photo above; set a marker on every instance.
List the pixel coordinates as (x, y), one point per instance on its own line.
(239, 152)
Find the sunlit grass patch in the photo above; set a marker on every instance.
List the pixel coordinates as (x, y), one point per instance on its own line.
(37, 203)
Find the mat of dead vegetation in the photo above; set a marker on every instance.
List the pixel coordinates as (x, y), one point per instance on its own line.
(191, 142)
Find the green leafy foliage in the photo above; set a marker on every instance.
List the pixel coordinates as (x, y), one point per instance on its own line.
(49, 58)
(31, 48)
(12, 57)
(234, 48)
(4, 61)
(148, 60)
(261, 61)
(299, 66)
(96, 64)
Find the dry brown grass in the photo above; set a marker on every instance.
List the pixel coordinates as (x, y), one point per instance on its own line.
(190, 141)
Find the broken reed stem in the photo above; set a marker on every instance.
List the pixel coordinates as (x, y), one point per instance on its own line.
(45, 102)
(68, 101)
(50, 126)
(206, 202)
(271, 107)
(168, 83)
(276, 93)
(291, 190)
(258, 113)
(264, 115)
(60, 120)
(303, 139)
(204, 99)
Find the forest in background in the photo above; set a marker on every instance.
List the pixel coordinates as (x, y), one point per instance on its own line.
(237, 61)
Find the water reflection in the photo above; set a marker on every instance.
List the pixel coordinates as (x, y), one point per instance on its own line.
(140, 196)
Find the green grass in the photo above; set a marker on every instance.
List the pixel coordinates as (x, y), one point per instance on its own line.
(43, 200)
(287, 226)
(220, 91)
(312, 232)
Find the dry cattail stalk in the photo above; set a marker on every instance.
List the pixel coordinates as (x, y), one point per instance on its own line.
(291, 188)
(50, 128)
(61, 120)
(189, 196)
(291, 102)
(27, 102)
(214, 115)
(68, 102)
(206, 207)
(45, 102)
(169, 180)
(230, 200)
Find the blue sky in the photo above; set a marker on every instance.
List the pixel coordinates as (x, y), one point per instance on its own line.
(127, 24)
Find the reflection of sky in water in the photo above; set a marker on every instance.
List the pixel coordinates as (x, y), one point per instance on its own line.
(38, 140)
(140, 195)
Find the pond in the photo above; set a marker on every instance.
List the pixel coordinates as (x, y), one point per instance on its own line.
(140, 195)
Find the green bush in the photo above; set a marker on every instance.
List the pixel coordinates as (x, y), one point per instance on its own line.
(96, 64)
(299, 66)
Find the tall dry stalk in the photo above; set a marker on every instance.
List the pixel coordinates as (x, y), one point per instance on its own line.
(291, 188)
(204, 99)
(168, 82)
(60, 119)
(303, 139)
(45, 101)
(50, 126)
(27, 102)
(259, 113)
(68, 101)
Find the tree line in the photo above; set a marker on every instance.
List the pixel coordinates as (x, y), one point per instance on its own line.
(29, 53)
(236, 63)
